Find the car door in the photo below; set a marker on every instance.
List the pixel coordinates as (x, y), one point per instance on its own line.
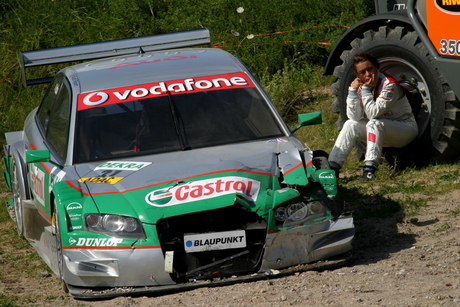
(53, 120)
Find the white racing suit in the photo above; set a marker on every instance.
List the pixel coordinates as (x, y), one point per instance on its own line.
(383, 121)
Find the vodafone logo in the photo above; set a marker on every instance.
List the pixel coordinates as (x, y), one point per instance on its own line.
(95, 99)
(173, 87)
(204, 189)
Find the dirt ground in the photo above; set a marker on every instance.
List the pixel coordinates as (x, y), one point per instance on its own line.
(397, 262)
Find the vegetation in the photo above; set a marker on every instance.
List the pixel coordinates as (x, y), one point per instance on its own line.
(284, 42)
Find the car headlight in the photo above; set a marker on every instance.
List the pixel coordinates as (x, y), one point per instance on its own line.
(295, 213)
(114, 225)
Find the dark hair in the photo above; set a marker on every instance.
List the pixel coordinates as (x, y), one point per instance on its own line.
(363, 57)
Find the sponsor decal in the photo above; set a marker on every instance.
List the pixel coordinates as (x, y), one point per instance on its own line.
(326, 175)
(76, 227)
(74, 206)
(215, 241)
(204, 189)
(157, 89)
(450, 47)
(74, 216)
(449, 6)
(172, 58)
(278, 140)
(108, 180)
(38, 177)
(95, 99)
(74, 79)
(120, 165)
(95, 242)
(387, 93)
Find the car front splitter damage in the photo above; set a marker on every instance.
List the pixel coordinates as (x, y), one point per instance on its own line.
(88, 294)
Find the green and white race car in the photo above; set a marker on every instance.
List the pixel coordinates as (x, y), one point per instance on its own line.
(154, 166)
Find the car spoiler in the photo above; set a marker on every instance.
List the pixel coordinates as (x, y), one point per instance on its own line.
(107, 49)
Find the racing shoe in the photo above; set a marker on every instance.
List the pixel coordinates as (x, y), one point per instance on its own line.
(368, 173)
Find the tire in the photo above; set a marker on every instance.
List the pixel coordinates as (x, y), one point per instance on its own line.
(321, 162)
(435, 106)
(59, 254)
(17, 196)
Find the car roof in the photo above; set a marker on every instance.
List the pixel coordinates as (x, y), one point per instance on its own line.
(155, 66)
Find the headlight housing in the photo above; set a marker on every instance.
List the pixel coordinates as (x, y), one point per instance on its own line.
(297, 212)
(114, 225)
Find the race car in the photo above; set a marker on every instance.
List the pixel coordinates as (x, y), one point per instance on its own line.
(156, 165)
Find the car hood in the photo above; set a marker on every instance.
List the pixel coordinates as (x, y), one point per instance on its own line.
(168, 183)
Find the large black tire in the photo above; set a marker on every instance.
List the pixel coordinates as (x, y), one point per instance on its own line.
(437, 110)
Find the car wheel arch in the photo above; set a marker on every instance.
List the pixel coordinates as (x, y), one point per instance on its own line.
(22, 166)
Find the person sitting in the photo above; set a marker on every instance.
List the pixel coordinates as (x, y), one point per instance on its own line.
(379, 114)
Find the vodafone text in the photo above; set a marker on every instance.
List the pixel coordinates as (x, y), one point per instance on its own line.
(156, 89)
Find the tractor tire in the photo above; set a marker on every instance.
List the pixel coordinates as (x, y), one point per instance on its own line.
(401, 54)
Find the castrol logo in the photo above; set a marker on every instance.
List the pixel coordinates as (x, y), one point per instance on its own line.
(204, 189)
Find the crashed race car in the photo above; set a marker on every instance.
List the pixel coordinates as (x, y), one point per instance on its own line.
(153, 166)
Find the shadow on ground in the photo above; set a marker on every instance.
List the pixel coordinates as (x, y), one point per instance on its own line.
(376, 219)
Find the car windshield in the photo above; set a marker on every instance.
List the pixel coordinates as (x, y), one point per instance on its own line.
(173, 123)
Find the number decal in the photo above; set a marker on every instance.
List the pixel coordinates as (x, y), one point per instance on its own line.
(450, 47)
(109, 173)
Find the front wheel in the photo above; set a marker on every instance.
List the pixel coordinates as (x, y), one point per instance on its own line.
(17, 197)
(59, 253)
(436, 108)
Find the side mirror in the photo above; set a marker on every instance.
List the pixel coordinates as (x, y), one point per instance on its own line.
(308, 119)
(33, 156)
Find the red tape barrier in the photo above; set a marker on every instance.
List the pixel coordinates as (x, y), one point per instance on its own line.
(217, 45)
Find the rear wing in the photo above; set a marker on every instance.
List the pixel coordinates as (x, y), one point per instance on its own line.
(107, 49)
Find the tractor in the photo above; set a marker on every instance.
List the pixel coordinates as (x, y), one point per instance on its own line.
(418, 43)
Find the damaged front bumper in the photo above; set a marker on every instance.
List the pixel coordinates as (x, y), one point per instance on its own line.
(105, 273)
(101, 293)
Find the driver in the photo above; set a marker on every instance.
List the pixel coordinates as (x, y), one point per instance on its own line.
(379, 114)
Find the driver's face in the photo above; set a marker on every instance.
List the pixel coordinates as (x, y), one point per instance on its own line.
(365, 71)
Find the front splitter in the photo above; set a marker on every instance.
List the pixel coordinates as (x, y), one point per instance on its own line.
(97, 293)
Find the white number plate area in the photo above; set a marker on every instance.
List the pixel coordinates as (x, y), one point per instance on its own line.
(214, 241)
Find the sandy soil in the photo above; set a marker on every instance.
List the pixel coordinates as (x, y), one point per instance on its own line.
(397, 262)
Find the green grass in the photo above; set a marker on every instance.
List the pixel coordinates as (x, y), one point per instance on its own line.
(290, 44)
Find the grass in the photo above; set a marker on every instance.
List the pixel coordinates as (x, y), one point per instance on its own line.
(282, 42)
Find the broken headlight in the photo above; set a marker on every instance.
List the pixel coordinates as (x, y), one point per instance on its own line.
(296, 213)
(114, 225)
